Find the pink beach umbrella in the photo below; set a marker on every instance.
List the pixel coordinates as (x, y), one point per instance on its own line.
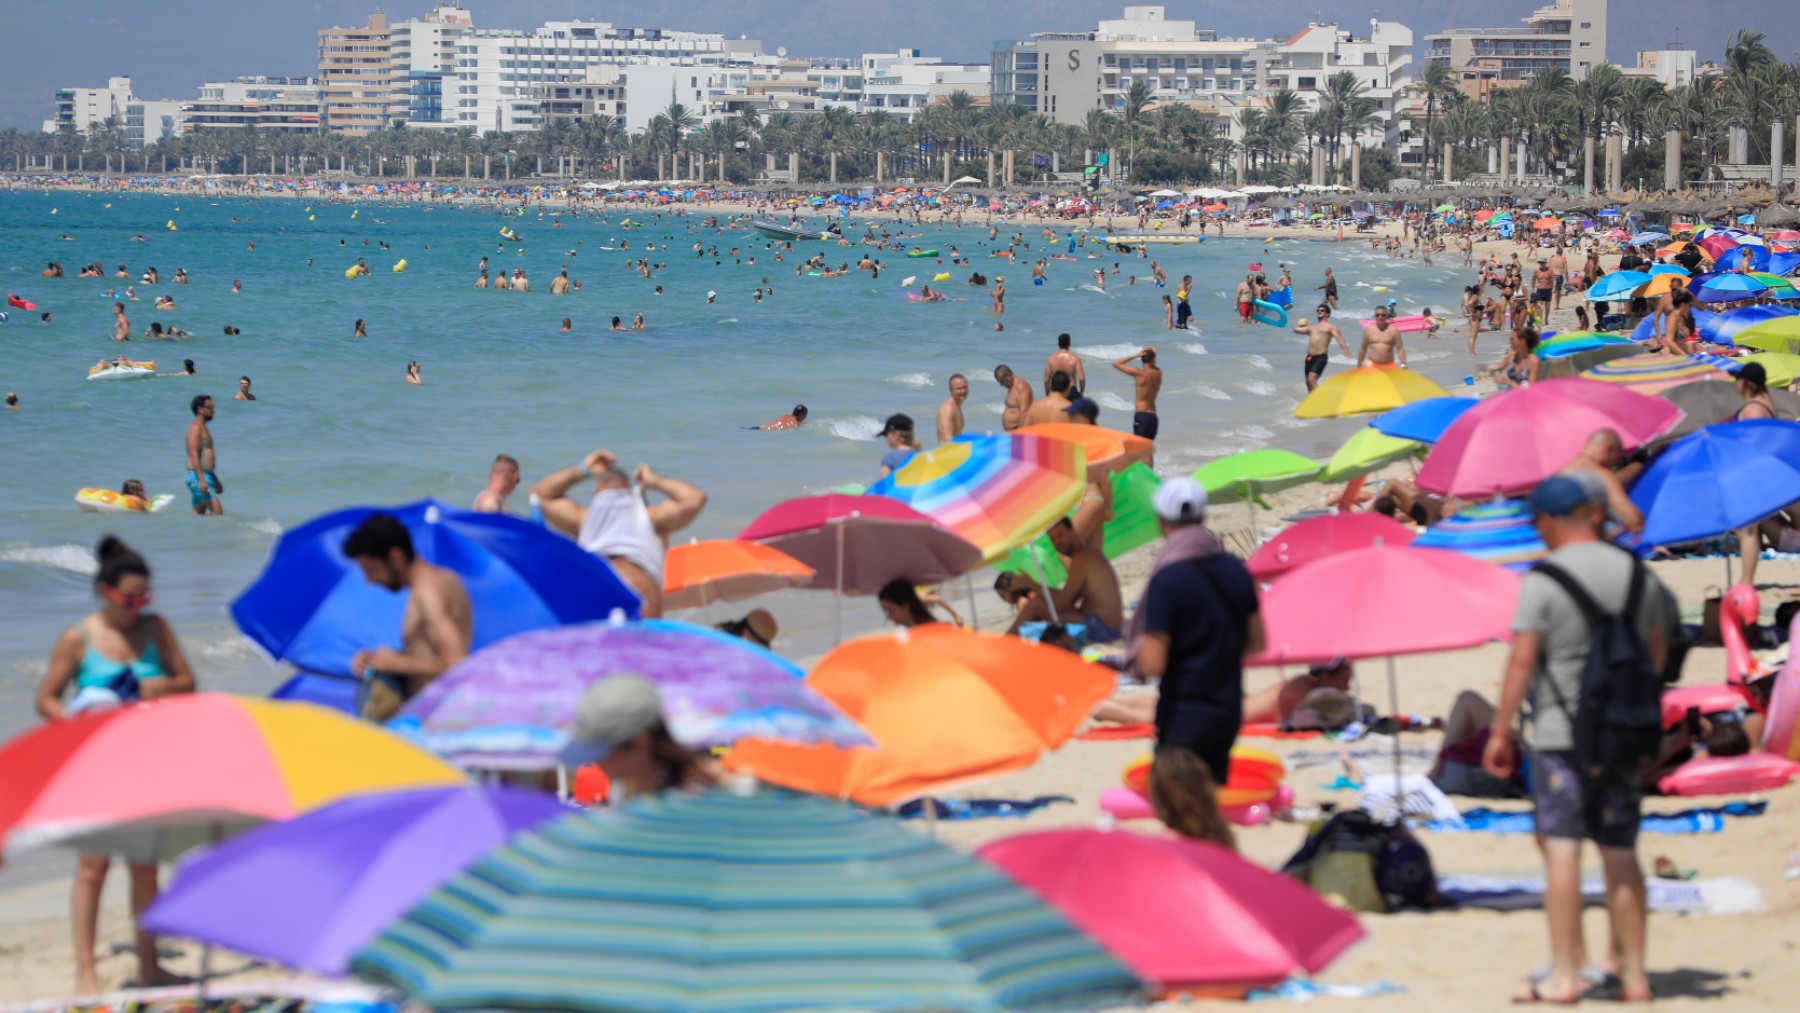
(1512, 441)
(1188, 915)
(1316, 538)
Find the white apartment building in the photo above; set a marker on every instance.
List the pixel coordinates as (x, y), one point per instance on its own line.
(1672, 68)
(150, 120)
(80, 107)
(286, 105)
(423, 56)
(1570, 34)
(905, 82)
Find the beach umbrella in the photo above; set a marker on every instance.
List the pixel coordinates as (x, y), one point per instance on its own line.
(1654, 371)
(1573, 363)
(1104, 449)
(309, 892)
(1444, 209)
(1718, 480)
(945, 706)
(1724, 328)
(1727, 288)
(511, 706)
(1132, 524)
(1647, 237)
(1617, 285)
(1780, 367)
(1245, 476)
(727, 903)
(857, 544)
(1658, 285)
(150, 781)
(1423, 421)
(729, 569)
(1777, 287)
(1364, 390)
(1781, 334)
(995, 491)
(1318, 537)
(1716, 245)
(1187, 915)
(1546, 223)
(1708, 402)
(1570, 342)
(312, 607)
(1501, 532)
(1510, 442)
(1675, 269)
(1368, 450)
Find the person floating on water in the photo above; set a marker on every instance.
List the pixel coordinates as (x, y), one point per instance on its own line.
(793, 420)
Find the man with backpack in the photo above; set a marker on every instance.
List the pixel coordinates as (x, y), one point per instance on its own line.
(1590, 637)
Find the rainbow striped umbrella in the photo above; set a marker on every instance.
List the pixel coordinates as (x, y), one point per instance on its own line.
(998, 492)
(1648, 374)
(1500, 532)
(717, 903)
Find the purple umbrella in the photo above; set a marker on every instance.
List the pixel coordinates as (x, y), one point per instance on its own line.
(510, 706)
(310, 892)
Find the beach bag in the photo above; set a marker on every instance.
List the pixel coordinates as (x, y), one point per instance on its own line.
(1617, 718)
(1363, 864)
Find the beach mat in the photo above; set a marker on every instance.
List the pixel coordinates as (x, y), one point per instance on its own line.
(1719, 895)
(979, 808)
(1709, 820)
(1258, 730)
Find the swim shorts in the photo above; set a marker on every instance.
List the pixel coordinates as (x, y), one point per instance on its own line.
(1144, 424)
(1315, 364)
(1244, 309)
(1540, 295)
(200, 492)
(1100, 633)
(1570, 805)
(1560, 282)
(1037, 281)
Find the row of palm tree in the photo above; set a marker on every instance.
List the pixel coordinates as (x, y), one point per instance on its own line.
(1279, 138)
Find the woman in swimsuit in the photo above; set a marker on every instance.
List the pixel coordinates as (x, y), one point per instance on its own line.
(1521, 365)
(116, 655)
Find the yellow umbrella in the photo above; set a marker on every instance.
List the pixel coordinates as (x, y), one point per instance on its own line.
(1781, 334)
(1366, 390)
(1781, 367)
(1660, 284)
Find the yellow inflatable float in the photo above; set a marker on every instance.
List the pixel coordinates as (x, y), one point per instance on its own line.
(400, 266)
(106, 501)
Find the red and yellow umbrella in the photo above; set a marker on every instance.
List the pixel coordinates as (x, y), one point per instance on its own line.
(152, 780)
(726, 569)
(1105, 449)
(945, 707)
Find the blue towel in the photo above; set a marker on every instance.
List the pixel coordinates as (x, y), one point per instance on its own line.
(1688, 821)
(979, 808)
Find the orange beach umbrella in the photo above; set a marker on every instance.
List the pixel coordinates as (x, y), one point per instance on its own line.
(726, 569)
(945, 707)
(1105, 449)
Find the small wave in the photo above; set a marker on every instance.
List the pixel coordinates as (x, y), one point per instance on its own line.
(1249, 432)
(911, 380)
(728, 320)
(1289, 422)
(266, 526)
(1192, 348)
(1261, 387)
(979, 375)
(856, 427)
(1107, 399)
(1261, 362)
(229, 649)
(1109, 351)
(73, 558)
(1093, 288)
(1208, 390)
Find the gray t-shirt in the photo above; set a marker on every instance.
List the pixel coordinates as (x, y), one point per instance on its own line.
(1604, 571)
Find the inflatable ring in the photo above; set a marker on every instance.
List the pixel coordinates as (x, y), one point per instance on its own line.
(108, 501)
(1254, 771)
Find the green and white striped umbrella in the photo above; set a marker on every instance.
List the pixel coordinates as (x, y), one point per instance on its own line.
(719, 903)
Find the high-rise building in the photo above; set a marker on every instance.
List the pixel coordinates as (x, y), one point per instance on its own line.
(80, 108)
(276, 105)
(422, 66)
(356, 77)
(1569, 34)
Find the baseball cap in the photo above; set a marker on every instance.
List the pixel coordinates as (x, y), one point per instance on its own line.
(1179, 500)
(611, 713)
(1559, 495)
(896, 423)
(1083, 406)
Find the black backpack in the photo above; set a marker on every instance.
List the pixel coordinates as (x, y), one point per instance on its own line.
(1617, 719)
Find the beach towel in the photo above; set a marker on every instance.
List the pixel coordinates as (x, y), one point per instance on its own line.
(1103, 733)
(1298, 990)
(979, 808)
(1719, 895)
(1709, 820)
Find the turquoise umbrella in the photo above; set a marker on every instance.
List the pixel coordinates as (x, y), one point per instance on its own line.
(720, 903)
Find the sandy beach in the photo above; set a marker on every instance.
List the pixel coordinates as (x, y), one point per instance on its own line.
(1447, 959)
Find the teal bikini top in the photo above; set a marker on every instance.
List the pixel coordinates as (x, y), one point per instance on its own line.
(106, 673)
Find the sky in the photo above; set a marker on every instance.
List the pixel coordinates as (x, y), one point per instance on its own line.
(169, 49)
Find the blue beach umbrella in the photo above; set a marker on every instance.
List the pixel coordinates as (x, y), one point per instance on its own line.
(312, 608)
(1647, 237)
(1668, 269)
(720, 903)
(1617, 285)
(1423, 421)
(1718, 480)
(1726, 288)
(1721, 328)
(1783, 263)
(1501, 533)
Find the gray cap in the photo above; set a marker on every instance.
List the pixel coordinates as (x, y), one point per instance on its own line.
(612, 712)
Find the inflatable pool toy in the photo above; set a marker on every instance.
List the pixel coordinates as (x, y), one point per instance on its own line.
(20, 304)
(916, 254)
(1728, 775)
(1253, 778)
(351, 271)
(107, 501)
(130, 370)
(1736, 605)
(1405, 325)
(916, 297)
(1265, 312)
(400, 266)
(1378, 288)
(1283, 297)
(907, 281)
(945, 276)
(509, 235)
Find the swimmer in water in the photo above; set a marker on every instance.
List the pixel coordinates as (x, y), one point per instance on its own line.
(412, 373)
(793, 420)
(361, 331)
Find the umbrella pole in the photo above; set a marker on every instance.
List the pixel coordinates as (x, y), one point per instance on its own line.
(931, 817)
(1394, 712)
(974, 619)
(837, 635)
(1044, 582)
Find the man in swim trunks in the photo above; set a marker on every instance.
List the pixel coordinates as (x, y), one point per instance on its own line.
(204, 487)
(1037, 273)
(1246, 298)
(1064, 361)
(1381, 341)
(1319, 336)
(1183, 311)
(618, 525)
(1090, 596)
(438, 625)
(792, 420)
(1147, 379)
(950, 413)
(1330, 288)
(503, 478)
(1541, 282)
(121, 323)
(1018, 397)
(1559, 273)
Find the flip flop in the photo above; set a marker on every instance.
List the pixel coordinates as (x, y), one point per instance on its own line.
(1532, 998)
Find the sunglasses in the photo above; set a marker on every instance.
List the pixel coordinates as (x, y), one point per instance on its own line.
(127, 601)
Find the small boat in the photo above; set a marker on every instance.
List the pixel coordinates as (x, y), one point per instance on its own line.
(1170, 240)
(771, 230)
(127, 370)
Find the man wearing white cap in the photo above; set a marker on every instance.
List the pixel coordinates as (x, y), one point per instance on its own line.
(619, 725)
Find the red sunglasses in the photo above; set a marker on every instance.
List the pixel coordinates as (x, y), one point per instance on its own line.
(127, 601)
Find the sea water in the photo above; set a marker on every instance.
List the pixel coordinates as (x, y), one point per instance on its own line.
(336, 425)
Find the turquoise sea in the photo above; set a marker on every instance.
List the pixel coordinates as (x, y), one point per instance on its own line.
(336, 425)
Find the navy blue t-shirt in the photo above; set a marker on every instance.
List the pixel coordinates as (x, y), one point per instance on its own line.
(1201, 701)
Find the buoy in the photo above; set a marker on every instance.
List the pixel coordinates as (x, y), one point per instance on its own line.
(109, 205)
(172, 227)
(907, 281)
(309, 218)
(1380, 288)
(401, 266)
(941, 277)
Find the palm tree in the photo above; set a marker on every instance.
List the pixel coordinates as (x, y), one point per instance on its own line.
(1436, 81)
(1136, 98)
(1342, 93)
